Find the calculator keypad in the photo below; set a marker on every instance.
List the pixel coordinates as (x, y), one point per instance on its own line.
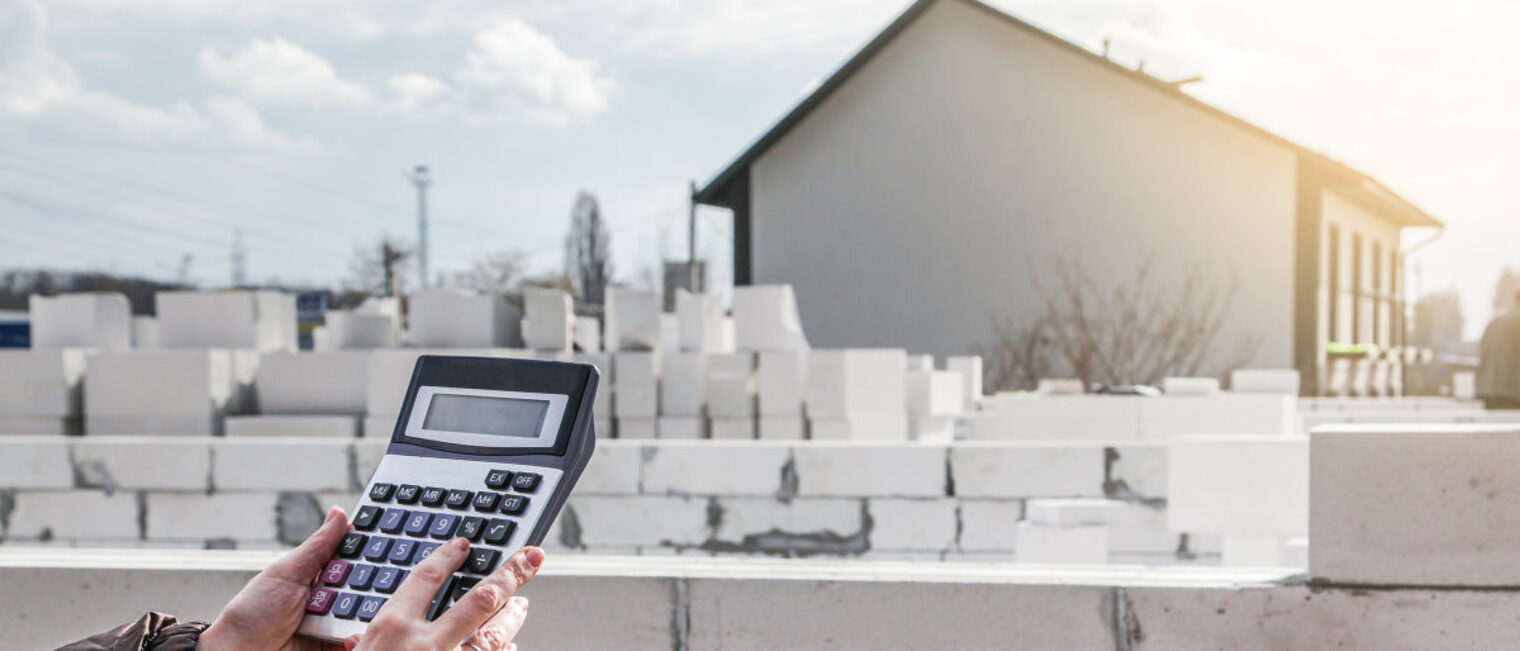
(412, 507)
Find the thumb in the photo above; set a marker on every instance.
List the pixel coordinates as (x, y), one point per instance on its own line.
(350, 643)
(302, 564)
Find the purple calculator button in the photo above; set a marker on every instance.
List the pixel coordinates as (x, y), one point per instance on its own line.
(336, 572)
(417, 523)
(393, 520)
(425, 550)
(377, 548)
(361, 576)
(369, 607)
(443, 525)
(402, 550)
(321, 601)
(345, 605)
(387, 578)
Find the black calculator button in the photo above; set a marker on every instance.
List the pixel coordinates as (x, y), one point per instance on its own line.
(498, 531)
(381, 492)
(353, 543)
(408, 493)
(432, 496)
(440, 601)
(457, 499)
(462, 585)
(513, 504)
(482, 560)
(366, 518)
(526, 482)
(498, 479)
(471, 527)
(486, 501)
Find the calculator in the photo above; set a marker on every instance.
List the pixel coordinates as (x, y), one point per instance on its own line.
(485, 449)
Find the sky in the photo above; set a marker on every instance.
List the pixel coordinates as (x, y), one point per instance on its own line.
(134, 133)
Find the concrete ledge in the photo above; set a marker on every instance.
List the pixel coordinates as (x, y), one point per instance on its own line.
(665, 603)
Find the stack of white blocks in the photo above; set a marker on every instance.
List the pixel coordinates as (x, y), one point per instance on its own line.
(548, 322)
(101, 321)
(634, 321)
(262, 321)
(40, 391)
(731, 387)
(169, 392)
(1253, 491)
(857, 394)
(309, 394)
(457, 318)
(781, 386)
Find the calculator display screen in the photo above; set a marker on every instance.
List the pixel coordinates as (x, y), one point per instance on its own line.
(499, 416)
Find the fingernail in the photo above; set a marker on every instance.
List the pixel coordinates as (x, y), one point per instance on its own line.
(522, 602)
(535, 557)
(332, 512)
(461, 544)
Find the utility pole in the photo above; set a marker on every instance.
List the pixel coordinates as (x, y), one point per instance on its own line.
(691, 240)
(239, 270)
(389, 256)
(422, 179)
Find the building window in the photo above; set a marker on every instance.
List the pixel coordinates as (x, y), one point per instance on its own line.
(1356, 288)
(1335, 283)
(1378, 299)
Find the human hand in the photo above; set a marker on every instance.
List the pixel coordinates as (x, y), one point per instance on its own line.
(486, 619)
(265, 614)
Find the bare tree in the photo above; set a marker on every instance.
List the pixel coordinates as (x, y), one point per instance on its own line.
(1438, 321)
(588, 250)
(379, 268)
(1133, 333)
(494, 273)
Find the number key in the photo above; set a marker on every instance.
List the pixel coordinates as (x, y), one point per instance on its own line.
(417, 523)
(443, 526)
(387, 578)
(457, 499)
(377, 548)
(432, 496)
(393, 520)
(498, 479)
(345, 606)
(381, 492)
(369, 607)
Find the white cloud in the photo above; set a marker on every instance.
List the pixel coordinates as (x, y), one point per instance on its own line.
(521, 72)
(281, 72)
(413, 90)
(38, 86)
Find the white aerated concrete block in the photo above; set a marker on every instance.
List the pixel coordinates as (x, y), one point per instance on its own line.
(715, 469)
(1190, 386)
(313, 383)
(683, 384)
(1164, 417)
(153, 425)
(367, 456)
(1253, 551)
(1239, 485)
(638, 385)
(259, 320)
(990, 525)
(870, 470)
(41, 425)
(74, 514)
(934, 393)
(356, 330)
(1132, 527)
(932, 429)
(731, 385)
(615, 469)
(765, 318)
(970, 369)
(830, 429)
(920, 363)
(635, 427)
(626, 521)
(297, 426)
(700, 322)
(457, 318)
(782, 383)
(1027, 469)
(588, 334)
(913, 525)
(145, 333)
(749, 518)
(36, 383)
(548, 319)
(865, 386)
(189, 384)
(1039, 543)
(731, 429)
(1058, 417)
(1283, 381)
(1429, 505)
(1137, 470)
(633, 320)
(36, 462)
(238, 516)
(102, 321)
(781, 428)
(382, 427)
(131, 463)
(282, 465)
(682, 427)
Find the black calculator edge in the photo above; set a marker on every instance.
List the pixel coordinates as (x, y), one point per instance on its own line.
(578, 459)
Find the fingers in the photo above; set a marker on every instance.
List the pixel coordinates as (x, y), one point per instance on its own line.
(302, 564)
(350, 643)
(417, 590)
(500, 630)
(490, 596)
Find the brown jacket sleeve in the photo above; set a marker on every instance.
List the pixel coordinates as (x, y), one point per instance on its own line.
(153, 632)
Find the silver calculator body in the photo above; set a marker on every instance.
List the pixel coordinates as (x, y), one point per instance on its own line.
(484, 448)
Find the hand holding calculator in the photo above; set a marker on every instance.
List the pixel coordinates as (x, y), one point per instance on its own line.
(485, 449)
